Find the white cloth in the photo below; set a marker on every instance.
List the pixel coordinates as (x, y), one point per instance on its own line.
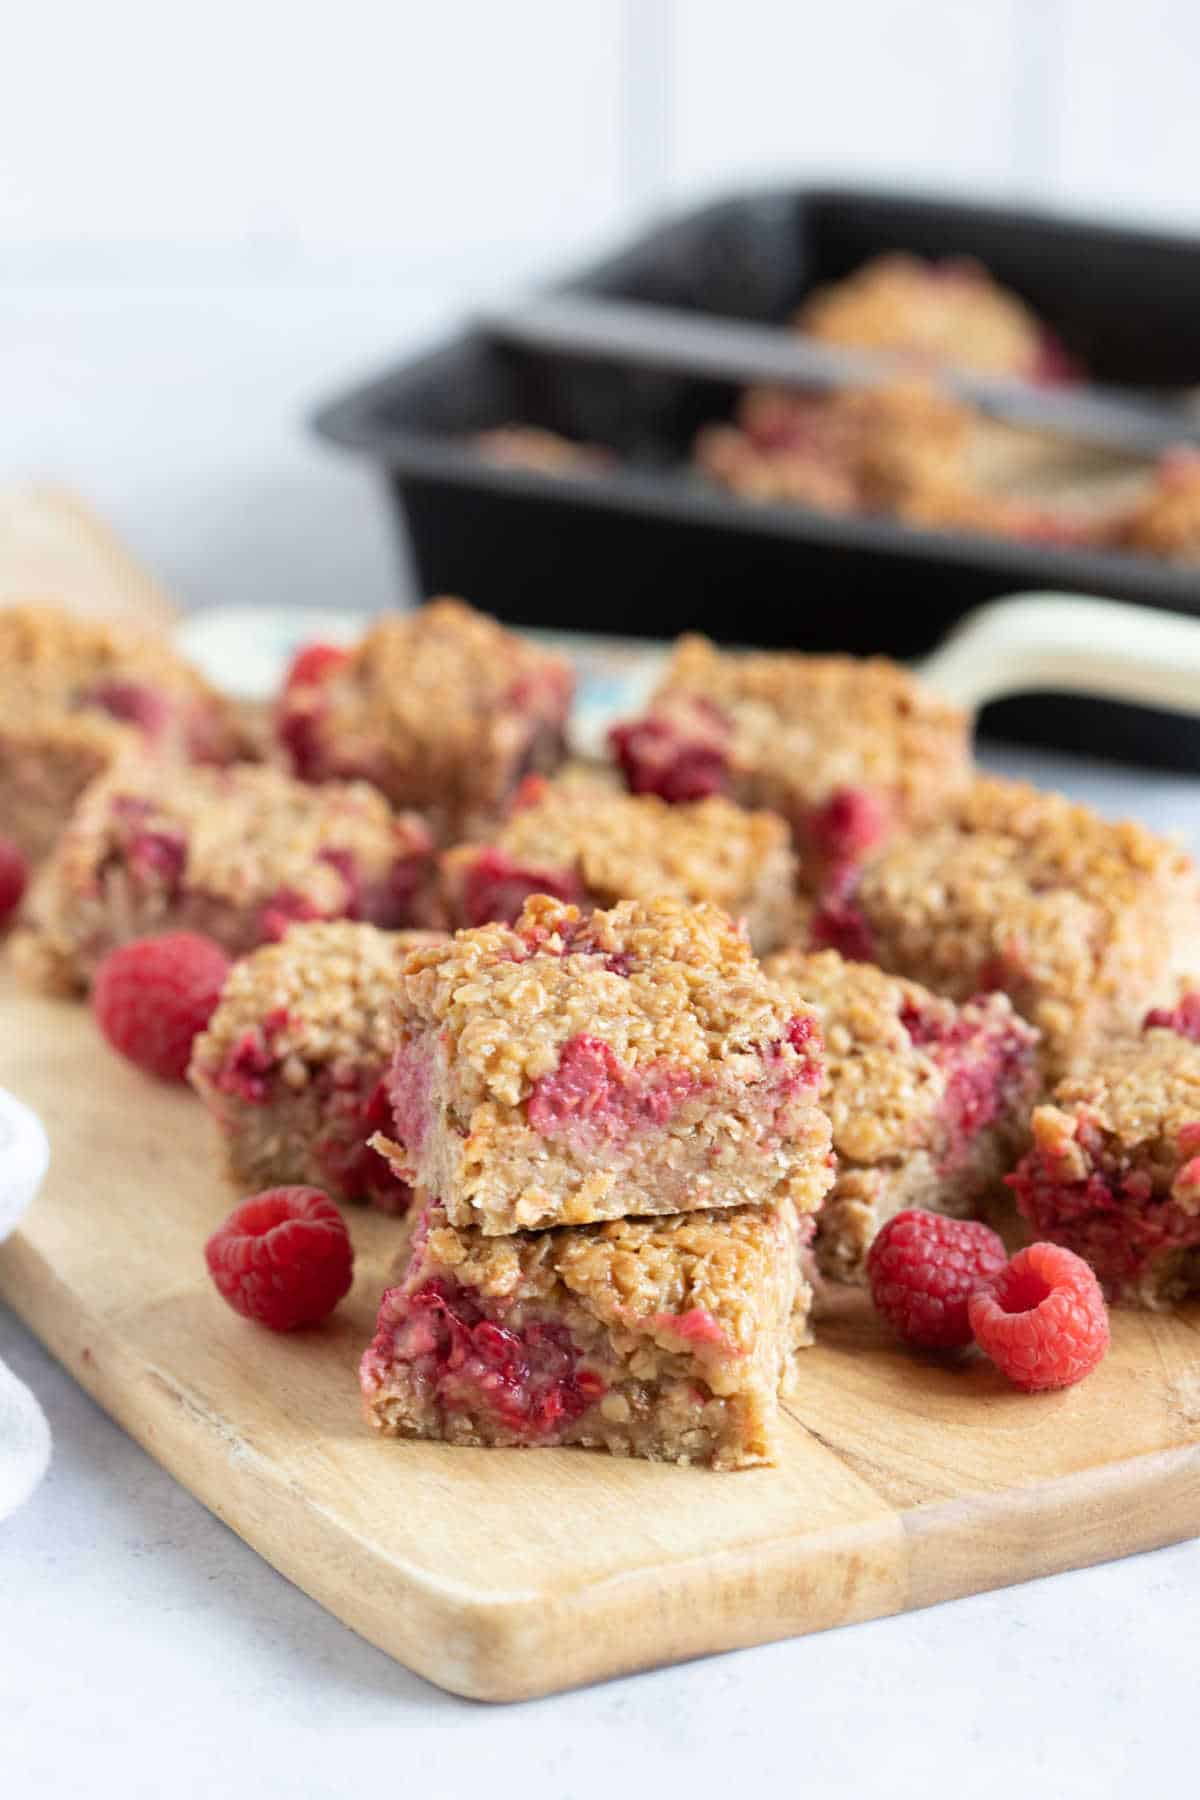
(24, 1428)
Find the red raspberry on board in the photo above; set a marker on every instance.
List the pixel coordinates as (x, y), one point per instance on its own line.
(1044, 1322)
(283, 1257)
(923, 1269)
(14, 874)
(312, 664)
(152, 997)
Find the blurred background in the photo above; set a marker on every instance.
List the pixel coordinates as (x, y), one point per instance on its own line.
(212, 217)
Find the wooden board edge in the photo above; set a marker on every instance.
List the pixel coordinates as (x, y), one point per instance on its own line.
(981, 1542)
(504, 1648)
(55, 547)
(525, 1644)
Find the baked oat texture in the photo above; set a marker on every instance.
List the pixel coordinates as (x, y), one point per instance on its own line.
(873, 449)
(1165, 520)
(1114, 1171)
(661, 1338)
(1083, 922)
(291, 1062)
(441, 708)
(951, 312)
(809, 737)
(928, 1101)
(543, 452)
(237, 854)
(78, 695)
(571, 1069)
(590, 843)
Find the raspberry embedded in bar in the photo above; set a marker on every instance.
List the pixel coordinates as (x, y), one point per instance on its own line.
(664, 1338)
(577, 1068)
(847, 750)
(582, 840)
(928, 1100)
(239, 854)
(291, 1065)
(440, 708)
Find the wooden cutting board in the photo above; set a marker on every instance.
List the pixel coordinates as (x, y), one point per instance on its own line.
(54, 547)
(505, 1574)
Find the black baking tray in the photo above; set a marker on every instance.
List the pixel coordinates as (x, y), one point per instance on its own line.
(650, 549)
(1124, 302)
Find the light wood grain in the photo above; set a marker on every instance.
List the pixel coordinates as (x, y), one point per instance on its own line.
(53, 547)
(504, 1574)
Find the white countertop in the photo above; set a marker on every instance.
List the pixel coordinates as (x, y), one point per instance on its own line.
(147, 1651)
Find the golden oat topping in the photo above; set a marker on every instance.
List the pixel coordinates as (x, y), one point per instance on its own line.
(880, 1088)
(53, 658)
(885, 1038)
(1165, 520)
(1085, 922)
(653, 979)
(244, 831)
(730, 456)
(908, 434)
(547, 452)
(1057, 836)
(870, 448)
(634, 1271)
(641, 1275)
(434, 673)
(327, 986)
(950, 312)
(30, 728)
(1010, 834)
(830, 721)
(1142, 1091)
(639, 847)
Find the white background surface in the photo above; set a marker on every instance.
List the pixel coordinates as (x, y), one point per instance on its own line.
(468, 136)
(208, 220)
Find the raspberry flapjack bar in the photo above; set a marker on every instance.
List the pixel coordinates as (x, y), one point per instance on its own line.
(76, 697)
(847, 750)
(951, 313)
(928, 1100)
(540, 451)
(441, 708)
(1114, 1171)
(665, 1338)
(577, 840)
(904, 450)
(1083, 922)
(1164, 521)
(876, 449)
(291, 1063)
(237, 854)
(570, 1069)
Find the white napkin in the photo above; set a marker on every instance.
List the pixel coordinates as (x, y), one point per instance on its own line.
(24, 1429)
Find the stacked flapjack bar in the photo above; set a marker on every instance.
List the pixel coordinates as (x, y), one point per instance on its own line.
(613, 1126)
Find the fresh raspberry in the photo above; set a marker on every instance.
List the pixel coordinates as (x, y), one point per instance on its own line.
(1044, 1322)
(313, 664)
(282, 1257)
(923, 1270)
(14, 874)
(152, 997)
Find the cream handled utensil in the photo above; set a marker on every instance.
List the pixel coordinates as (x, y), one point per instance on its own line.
(1069, 644)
